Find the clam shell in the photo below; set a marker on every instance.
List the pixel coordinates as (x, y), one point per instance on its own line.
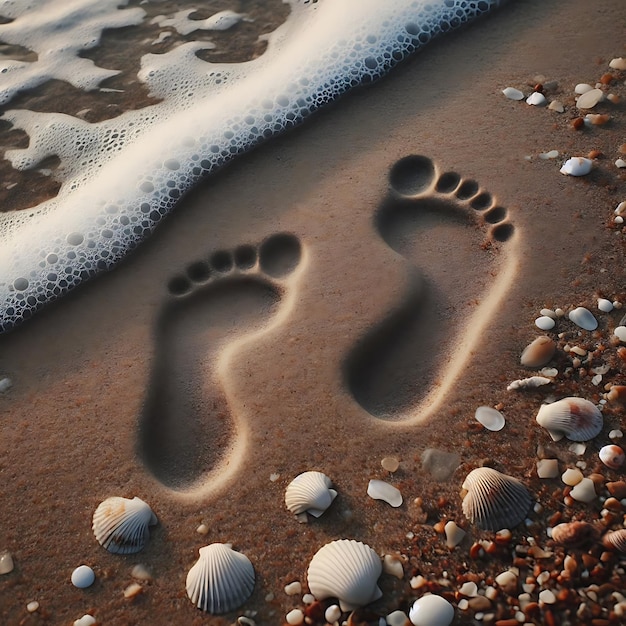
(612, 456)
(221, 580)
(431, 610)
(583, 318)
(121, 525)
(538, 352)
(615, 540)
(573, 533)
(310, 492)
(494, 500)
(575, 418)
(347, 570)
(490, 418)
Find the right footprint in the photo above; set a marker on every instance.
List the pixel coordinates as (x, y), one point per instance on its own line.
(454, 236)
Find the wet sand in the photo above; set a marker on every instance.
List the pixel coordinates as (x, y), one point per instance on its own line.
(373, 326)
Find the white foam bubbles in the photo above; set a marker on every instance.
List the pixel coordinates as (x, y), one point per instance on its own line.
(121, 177)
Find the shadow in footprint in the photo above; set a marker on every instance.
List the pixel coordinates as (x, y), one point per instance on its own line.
(186, 427)
(450, 232)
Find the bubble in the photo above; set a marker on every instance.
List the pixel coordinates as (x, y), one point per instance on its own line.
(75, 239)
(172, 164)
(146, 187)
(20, 284)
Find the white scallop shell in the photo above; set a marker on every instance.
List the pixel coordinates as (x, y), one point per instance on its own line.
(494, 500)
(221, 580)
(583, 318)
(310, 492)
(347, 570)
(121, 525)
(574, 418)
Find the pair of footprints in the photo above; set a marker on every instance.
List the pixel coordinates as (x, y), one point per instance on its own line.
(186, 427)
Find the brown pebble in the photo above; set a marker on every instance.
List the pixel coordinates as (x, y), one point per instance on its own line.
(475, 550)
(595, 154)
(479, 603)
(607, 79)
(538, 88)
(578, 123)
(314, 611)
(617, 394)
(613, 503)
(622, 149)
(621, 353)
(617, 489)
(507, 622)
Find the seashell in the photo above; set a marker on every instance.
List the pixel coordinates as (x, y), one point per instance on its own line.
(575, 418)
(584, 491)
(431, 610)
(221, 580)
(590, 98)
(545, 322)
(615, 540)
(494, 500)
(612, 456)
(121, 525)
(536, 99)
(490, 418)
(528, 383)
(573, 533)
(513, 94)
(577, 166)
(619, 63)
(584, 318)
(380, 490)
(309, 492)
(347, 570)
(538, 352)
(620, 333)
(547, 468)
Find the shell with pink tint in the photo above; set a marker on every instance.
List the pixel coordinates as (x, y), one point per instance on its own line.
(574, 533)
(612, 456)
(574, 418)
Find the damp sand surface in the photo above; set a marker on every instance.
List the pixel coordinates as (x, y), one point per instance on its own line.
(323, 303)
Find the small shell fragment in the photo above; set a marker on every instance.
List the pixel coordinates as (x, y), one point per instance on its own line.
(392, 565)
(380, 490)
(547, 468)
(538, 352)
(583, 318)
(390, 464)
(513, 94)
(490, 418)
(577, 166)
(529, 383)
(347, 570)
(557, 106)
(431, 610)
(536, 99)
(454, 534)
(590, 98)
(574, 418)
(309, 492)
(493, 500)
(584, 491)
(618, 63)
(121, 525)
(221, 580)
(612, 456)
(615, 540)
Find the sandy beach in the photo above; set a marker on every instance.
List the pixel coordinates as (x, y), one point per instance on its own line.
(350, 291)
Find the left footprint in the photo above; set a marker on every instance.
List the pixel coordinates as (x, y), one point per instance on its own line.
(186, 427)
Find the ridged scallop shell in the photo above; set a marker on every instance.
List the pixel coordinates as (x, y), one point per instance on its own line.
(493, 500)
(221, 580)
(575, 418)
(615, 540)
(121, 525)
(310, 492)
(347, 570)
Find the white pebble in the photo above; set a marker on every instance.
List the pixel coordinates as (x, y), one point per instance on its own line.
(552, 154)
(454, 534)
(590, 98)
(547, 597)
(295, 617)
(431, 610)
(141, 572)
(6, 563)
(620, 209)
(548, 313)
(469, 589)
(203, 529)
(572, 477)
(606, 306)
(619, 219)
(620, 333)
(85, 620)
(513, 94)
(134, 589)
(392, 565)
(557, 106)
(584, 491)
(294, 588)
(618, 64)
(545, 323)
(5, 384)
(31, 607)
(577, 166)
(397, 618)
(547, 468)
(536, 99)
(308, 598)
(490, 418)
(332, 614)
(83, 577)
(582, 88)
(620, 163)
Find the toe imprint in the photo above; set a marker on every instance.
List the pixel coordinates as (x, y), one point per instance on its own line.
(452, 233)
(186, 429)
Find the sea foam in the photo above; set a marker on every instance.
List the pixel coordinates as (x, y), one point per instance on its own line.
(121, 177)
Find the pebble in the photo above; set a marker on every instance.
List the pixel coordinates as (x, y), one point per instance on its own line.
(134, 589)
(620, 333)
(294, 588)
(604, 305)
(577, 166)
(203, 529)
(545, 323)
(85, 620)
(572, 477)
(552, 154)
(332, 614)
(295, 617)
(536, 99)
(5, 384)
(590, 98)
(6, 563)
(513, 94)
(582, 88)
(390, 463)
(392, 565)
(618, 64)
(141, 572)
(620, 163)
(584, 491)
(31, 607)
(431, 610)
(454, 534)
(469, 589)
(490, 418)
(547, 597)
(397, 618)
(557, 106)
(380, 490)
(83, 577)
(547, 468)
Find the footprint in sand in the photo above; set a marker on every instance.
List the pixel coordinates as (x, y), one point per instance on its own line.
(186, 428)
(454, 236)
